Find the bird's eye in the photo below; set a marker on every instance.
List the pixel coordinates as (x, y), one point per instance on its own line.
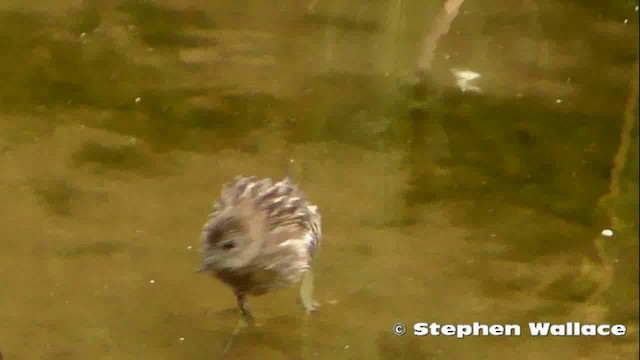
(228, 245)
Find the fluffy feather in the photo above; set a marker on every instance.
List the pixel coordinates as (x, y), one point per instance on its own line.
(260, 235)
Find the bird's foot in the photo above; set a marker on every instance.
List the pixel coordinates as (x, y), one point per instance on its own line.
(310, 307)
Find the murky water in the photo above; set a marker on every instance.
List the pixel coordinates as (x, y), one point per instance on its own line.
(445, 198)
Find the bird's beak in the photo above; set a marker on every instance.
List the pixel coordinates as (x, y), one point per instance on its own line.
(207, 264)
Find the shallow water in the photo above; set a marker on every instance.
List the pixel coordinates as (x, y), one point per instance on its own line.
(443, 199)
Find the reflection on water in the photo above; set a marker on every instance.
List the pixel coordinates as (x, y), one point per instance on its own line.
(121, 121)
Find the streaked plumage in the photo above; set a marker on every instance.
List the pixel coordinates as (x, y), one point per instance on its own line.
(260, 236)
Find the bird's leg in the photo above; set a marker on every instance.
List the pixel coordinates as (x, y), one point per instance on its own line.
(306, 293)
(242, 304)
(246, 316)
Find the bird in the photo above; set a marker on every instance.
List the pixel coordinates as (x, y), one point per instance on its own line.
(260, 236)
